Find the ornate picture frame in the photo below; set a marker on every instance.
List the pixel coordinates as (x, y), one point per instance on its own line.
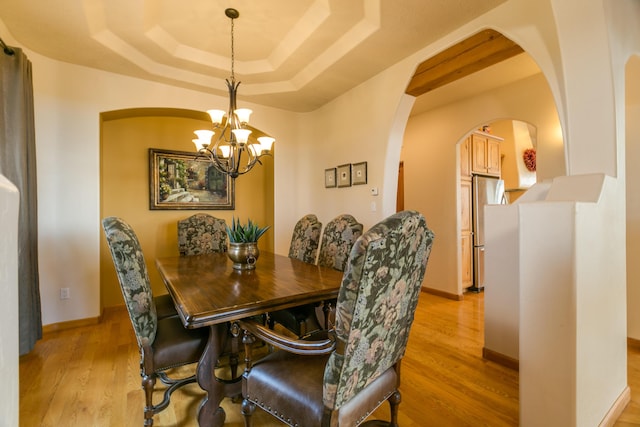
(344, 175)
(359, 173)
(330, 178)
(184, 180)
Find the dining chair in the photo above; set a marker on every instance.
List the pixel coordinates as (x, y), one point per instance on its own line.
(201, 234)
(336, 242)
(341, 380)
(338, 238)
(304, 247)
(163, 343)
(305, 239)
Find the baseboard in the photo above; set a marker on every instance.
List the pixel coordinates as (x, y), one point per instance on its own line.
(442, 294)
(615, 411)
(61, 326)
(500, 359)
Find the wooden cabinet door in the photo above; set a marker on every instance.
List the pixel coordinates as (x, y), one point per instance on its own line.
(493, 157)
(465, 206)
(465, 158)
(467, 260)
(479, 154)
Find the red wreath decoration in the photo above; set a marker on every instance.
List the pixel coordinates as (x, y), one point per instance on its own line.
(529, 157)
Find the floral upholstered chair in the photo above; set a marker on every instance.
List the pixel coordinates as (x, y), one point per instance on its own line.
(201, 234)
(337, 240)
(304, 246)
(163, 343)
(305, 239)
(341, 380)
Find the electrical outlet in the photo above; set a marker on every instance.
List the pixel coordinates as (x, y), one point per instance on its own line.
(65, 293)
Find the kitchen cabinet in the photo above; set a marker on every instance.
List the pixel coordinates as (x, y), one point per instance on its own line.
(485, 154)
(465, 158)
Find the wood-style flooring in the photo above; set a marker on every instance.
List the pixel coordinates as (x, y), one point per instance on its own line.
(89, 376)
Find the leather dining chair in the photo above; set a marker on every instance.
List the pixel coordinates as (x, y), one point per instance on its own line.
(202, 234)
(341, 380)
(338, 238)
(163, 343)
(304, 247)
(197, 234)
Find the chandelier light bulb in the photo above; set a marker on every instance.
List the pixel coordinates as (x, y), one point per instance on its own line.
(216, 116)
(200, 144)
(256, 149)
(242, 135)
(243, 115)
(266, 142)
(204, 135)
(226, 150)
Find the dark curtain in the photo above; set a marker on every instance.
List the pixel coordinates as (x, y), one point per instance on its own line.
(18, 164)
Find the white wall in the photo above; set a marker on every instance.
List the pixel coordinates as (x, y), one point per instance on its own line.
(9, 392)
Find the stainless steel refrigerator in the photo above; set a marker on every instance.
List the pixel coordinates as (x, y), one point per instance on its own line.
(485, 191)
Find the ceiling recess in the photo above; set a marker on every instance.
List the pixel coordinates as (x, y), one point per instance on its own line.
(479, 51)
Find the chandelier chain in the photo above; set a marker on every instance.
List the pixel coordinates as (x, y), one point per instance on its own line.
(233, 54)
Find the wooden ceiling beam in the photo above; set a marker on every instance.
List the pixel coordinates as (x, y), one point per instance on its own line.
(479, 51)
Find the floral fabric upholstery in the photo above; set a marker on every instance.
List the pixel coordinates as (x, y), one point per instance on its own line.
(202, 234)
(376, 304)
(305, 239)
(133, 277)
(337, 240)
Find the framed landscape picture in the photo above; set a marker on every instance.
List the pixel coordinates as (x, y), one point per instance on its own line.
(184, 180)
(344, 175)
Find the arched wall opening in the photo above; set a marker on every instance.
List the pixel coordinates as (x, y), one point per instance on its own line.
(125, 139)
(445, 116)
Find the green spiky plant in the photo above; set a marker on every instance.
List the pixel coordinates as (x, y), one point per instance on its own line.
(248, 233)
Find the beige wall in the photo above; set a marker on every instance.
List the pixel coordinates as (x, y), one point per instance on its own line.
(126, 137)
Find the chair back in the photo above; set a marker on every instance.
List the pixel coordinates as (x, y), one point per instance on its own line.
(305, 239)
(133, 277)
(376, 304)
(337, 240)
(201, 234)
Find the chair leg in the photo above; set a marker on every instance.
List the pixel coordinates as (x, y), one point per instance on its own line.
(248, 408)
(148, 383)
(394, 403)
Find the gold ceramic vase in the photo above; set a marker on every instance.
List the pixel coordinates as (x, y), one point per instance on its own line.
(243, 255)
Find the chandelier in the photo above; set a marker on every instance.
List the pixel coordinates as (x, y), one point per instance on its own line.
(237, 147)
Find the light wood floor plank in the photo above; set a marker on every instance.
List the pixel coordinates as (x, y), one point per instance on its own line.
(89, 376)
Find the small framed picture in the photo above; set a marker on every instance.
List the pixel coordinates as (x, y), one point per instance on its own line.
(344, 175)
(330, 178)
(359, 172)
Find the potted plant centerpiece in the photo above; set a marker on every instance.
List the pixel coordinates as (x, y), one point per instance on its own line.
(243, 243)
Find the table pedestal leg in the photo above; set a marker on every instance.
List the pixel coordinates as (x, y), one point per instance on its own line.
(210, 413)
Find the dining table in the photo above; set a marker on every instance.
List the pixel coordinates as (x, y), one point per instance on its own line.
(207, 292)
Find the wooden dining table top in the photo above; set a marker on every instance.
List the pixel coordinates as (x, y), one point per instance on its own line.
(207, 290)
